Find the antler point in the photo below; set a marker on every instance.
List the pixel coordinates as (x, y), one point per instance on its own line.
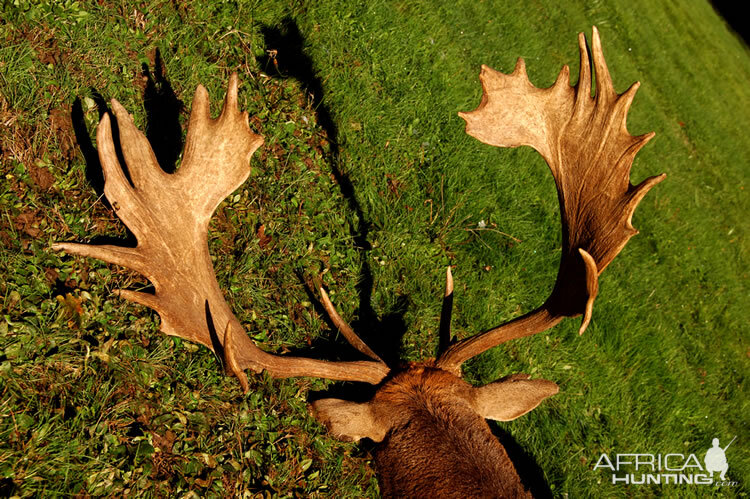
(448, 281)
(520, 66)
(230, 359)
(118, 109)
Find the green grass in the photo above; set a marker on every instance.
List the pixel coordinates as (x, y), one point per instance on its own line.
(94, 400)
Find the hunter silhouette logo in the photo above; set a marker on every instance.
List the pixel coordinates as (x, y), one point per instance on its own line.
(672, 468)
(716, 458)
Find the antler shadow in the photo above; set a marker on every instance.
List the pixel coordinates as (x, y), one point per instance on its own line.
(286, 58)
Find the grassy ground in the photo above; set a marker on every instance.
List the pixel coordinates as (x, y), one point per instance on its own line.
(366, 170)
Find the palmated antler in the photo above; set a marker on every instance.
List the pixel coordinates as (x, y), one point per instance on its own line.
(169, 216)
(586, 144)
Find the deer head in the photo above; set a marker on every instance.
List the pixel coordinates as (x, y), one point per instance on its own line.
(430, 424)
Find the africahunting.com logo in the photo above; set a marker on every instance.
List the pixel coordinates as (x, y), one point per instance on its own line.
(679, 469)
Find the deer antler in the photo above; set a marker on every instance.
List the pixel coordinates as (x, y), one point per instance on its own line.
(169, 216)
(587, 146)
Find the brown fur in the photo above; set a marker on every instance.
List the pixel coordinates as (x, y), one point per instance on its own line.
(438, 445)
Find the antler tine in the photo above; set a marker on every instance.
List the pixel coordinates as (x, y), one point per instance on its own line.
(444, 335)
(585, 142)
(169, 216)
(345, 329)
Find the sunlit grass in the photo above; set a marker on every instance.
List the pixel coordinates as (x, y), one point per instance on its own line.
(366, 172)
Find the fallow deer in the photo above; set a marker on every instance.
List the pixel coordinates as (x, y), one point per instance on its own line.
(430, 424)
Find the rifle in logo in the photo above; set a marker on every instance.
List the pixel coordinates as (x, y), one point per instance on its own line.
(716, 459)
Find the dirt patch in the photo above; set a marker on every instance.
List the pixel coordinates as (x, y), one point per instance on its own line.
(263, 238)
(28, 223)
(6, 240)
(45, 45)
(41, 177)
(62, 126)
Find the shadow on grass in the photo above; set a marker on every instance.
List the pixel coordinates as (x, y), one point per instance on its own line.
(163, 109)
(163, 128)
(286, 58)
(532, 476)
(734, 15)
(94, 173)
(8, 487)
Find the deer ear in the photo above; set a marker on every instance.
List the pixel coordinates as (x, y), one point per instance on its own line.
(350, 421)
(512, 397)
